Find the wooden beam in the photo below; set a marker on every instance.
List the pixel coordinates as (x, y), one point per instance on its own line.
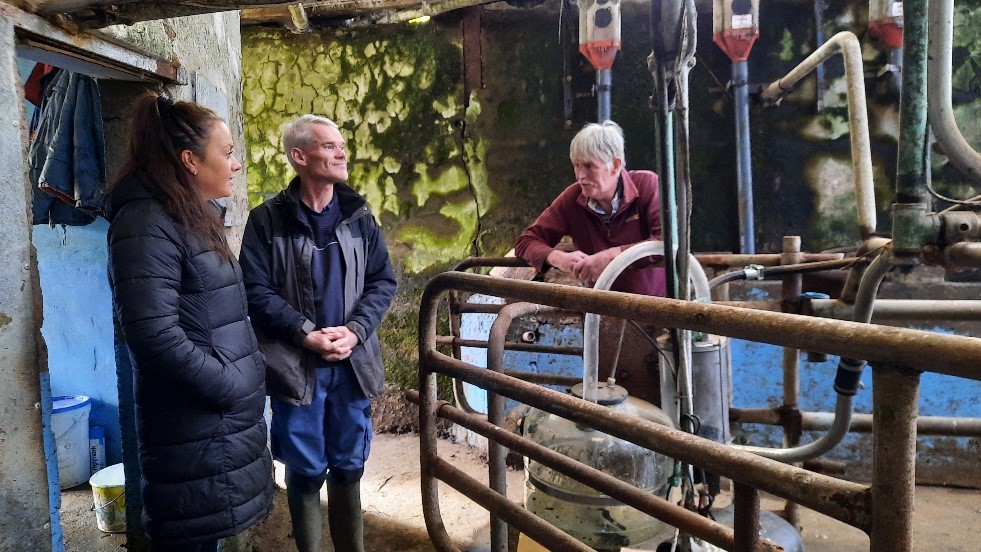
(94, 53)
(428, 9)
(293, 16)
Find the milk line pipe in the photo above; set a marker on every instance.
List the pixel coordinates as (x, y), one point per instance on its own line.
(934, 426)
(847, 381)
(759, 272)
(591, 322)
(865, 253)
(847, 44)
(939, 89)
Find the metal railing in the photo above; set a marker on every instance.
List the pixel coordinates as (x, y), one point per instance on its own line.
(883, 509)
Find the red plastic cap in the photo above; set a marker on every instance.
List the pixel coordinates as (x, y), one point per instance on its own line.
(736, 43)
(888, 32)
(600, 53)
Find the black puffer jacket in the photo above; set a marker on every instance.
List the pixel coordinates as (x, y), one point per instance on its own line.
(199, 375)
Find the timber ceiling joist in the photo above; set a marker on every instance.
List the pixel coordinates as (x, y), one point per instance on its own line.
(101, 13)
(295, 15)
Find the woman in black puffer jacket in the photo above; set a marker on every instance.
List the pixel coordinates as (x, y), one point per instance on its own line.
(178, 295)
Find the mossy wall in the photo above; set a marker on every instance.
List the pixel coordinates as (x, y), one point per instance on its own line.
(452, 177)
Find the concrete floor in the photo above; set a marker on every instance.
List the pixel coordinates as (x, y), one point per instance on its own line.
(946, 519)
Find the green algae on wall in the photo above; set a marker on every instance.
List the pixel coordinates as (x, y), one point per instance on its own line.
(396, 102)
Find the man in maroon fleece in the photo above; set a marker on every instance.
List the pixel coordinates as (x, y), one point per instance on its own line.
(605, 211)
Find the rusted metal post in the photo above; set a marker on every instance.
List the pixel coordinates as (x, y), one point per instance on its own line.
(896, 391)
(746, 518)
(428, 455)
(495, 411)
(791, 291)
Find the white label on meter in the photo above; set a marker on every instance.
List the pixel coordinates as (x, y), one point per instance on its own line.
(897, 9)
(742, 21)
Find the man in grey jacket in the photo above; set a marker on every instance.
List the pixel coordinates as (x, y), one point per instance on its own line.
(319, 279)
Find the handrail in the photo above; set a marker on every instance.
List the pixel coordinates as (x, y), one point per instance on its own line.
(903, 346)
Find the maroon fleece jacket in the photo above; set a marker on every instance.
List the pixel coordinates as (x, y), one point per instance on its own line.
(636, 220)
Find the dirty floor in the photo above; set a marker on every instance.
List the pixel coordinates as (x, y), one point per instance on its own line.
(946, 519)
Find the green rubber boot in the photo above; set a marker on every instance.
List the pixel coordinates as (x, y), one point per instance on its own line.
(344, 516)
(307, 515)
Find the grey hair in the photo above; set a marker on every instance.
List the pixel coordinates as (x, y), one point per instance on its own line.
(296, 133)
(603, 141)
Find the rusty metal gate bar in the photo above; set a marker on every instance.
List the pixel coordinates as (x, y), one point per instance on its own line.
(686, 520)
(902, 349)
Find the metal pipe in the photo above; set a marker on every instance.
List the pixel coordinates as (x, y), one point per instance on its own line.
(475, 262)
(677, 516)
(669, 206)
(428, 454)
(728, 260)
(819, 7)
(603, 87)
(894, 409)
(858, 126)
(843, 405)
(862, 423)
(903, 309)
(511, 346)
(961, 354)
(544, 379)
(744, 157)
(499, 506)
(756, 272)
(925, 425)
(746, 517)
(966, 254)
(496, 454)
(911, 174)
(791, 289)
(940, 106)
(842, 500)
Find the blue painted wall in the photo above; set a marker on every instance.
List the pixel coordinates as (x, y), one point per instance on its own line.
(73, 261)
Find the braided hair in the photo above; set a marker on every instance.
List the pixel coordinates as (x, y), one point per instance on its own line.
(162, 129)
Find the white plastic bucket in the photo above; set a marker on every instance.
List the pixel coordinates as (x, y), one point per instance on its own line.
(70, 426)
(109, 497)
